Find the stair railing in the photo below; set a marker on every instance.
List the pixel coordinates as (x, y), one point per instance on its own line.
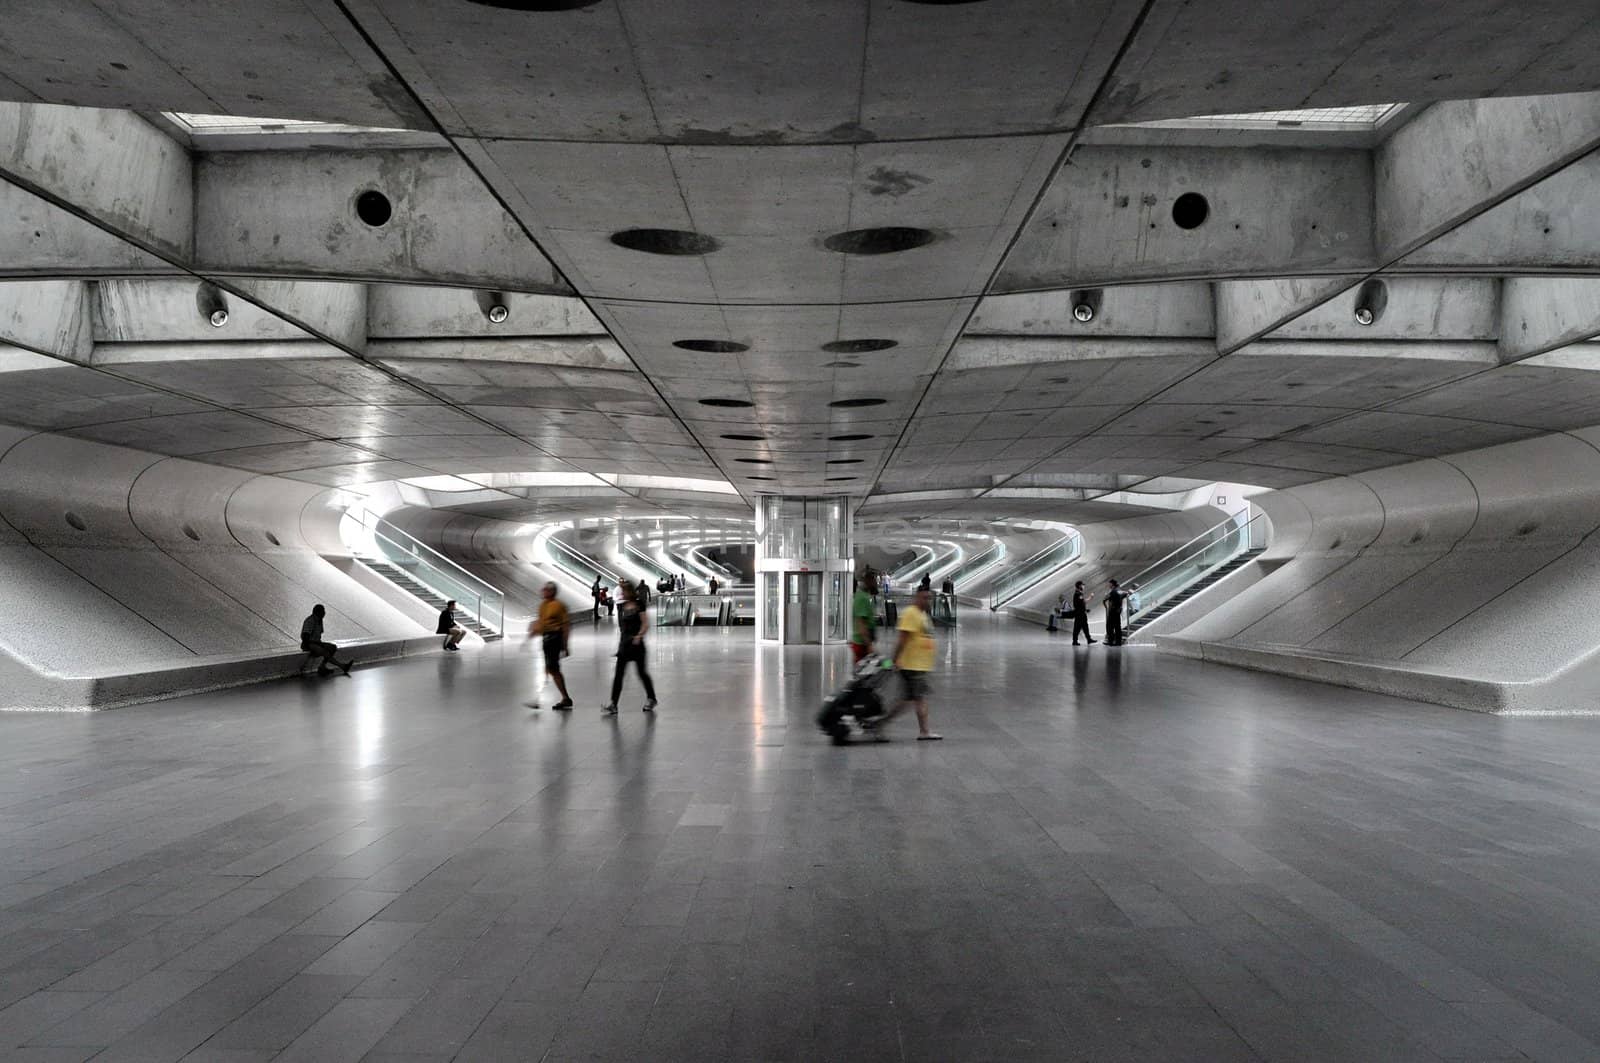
(1212, 548)
(1035, 569)
(485, 602)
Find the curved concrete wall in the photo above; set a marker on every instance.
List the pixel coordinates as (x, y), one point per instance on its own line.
(120, 562)
(1466, 580)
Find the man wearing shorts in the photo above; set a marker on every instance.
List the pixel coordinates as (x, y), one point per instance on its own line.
(863, 616)
(551, 625)
(913, 656)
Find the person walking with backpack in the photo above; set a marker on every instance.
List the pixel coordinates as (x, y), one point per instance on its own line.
(632, 622)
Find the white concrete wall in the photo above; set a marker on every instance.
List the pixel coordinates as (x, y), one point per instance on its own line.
(1467, 580)
(173, 566)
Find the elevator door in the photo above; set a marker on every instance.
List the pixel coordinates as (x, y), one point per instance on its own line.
(802, 604)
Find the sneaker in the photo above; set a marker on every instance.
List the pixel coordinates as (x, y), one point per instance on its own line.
(930, 737)
(650, 706)
(563, 706)
(609, 710)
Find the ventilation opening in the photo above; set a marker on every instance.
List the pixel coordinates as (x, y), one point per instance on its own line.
(665, 241)
(743, 437)
(858, 346)
(754, 461)
(883, 241)
(76, 521)
(712, 346)
(850, 437)
(188, 529)
(727, 404)
(845, 461)
(856, 404)
(841, 365)
(273, 539)
(1190, 210)
(373, 208)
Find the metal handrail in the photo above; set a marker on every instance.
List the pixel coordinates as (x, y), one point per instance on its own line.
(453, 589)
(645, 561)
(402, 537)
(981, 563)
(1001, 593)
(1232, 518)
(594, 567)
(1243, 544)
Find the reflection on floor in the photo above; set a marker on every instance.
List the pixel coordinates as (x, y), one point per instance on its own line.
(1109, 858)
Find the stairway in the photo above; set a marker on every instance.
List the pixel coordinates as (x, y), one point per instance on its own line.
(396, 575)
(1232, 564)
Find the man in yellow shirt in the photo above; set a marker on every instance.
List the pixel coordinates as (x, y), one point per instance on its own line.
(913, 656)
(551, 625)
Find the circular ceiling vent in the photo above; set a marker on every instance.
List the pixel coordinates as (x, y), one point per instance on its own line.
(728, 404)
(838, 479)
(373, 207)
(76, 521)
(273, 539)
(665, 241)
(1190, 210)
(845, 461)
(759, 477)
(711, 346)
(743, 437)
(858, 346)
(754, 461)
(850, 437)
(882, 241)
(856, 404)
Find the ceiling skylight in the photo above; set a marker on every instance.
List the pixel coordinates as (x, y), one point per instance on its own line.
(229, 123)
(1365, 117)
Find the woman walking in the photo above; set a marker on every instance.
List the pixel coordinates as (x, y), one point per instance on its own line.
(632, 623)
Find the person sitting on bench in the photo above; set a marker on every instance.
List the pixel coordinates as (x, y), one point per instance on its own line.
(453, 632)
(311, 642)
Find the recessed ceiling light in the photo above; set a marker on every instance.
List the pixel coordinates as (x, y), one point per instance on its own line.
(855, 404)
(743, 437)
(850, 437)
(666, 241)
(711, 346)
(858, 346)
(728, 404)
(886, 240)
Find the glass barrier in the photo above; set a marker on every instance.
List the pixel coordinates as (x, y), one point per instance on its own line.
(1034, 570)
(976, 564)
(1181, 568)
(579, 566)
(482, 601)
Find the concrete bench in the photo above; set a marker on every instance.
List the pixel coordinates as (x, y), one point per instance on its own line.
(168, 679)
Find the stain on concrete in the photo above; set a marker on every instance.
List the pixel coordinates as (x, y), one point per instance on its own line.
(885, 181)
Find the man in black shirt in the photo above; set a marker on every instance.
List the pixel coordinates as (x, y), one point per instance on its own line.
(311, 642)
(1114, 600)
(1080, 613)
(453, 632)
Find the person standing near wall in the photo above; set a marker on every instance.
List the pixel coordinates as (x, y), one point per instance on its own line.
(553, 626)
(1080, 613)
(598, 594)
(1114, 600)
(453, 632)
(632, 623)
(311, 641)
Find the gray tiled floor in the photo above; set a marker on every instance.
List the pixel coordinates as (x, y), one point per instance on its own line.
(1110, 858)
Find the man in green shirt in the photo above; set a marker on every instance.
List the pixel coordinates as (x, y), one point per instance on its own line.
(864, 615)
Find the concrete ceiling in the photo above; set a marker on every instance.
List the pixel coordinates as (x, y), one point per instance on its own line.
(358, 352)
